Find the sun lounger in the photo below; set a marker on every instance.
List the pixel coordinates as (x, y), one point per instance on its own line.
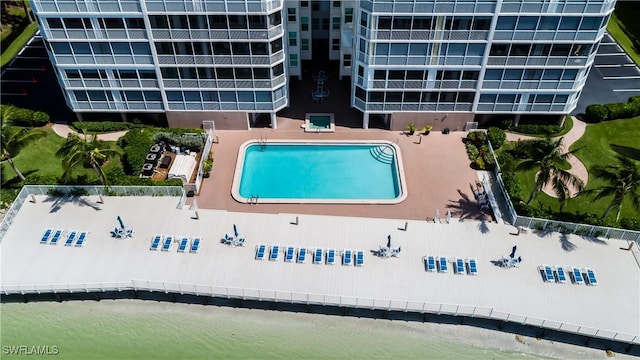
(473, 267)
(70, 238)
(168, 240)
(547, 273)
(430, 263)
(56, 237)
(331, 257)
(275, 250)
(183, 244)
(591, 277)
(289, 254)
(195, 245)
(317, 256)
(261, 251)
(239, 242)
(302, 255)
(561, 276)
(81, 238)
(347, 256)
(577, 276)
(155, 242)
(45, 236)
(359, 258)
(442, 264)
(228, 239)
(459, 266)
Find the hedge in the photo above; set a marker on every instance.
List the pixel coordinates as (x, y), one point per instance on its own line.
(27, 117)
(537, 129)
(136, 146)
(103, 126)
(612, 111)
(191, 142)
(496, 136)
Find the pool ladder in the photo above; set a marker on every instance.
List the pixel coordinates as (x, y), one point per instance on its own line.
(263, 142)
(253, 200)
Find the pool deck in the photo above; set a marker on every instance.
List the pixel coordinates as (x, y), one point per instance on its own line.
(437, 173)
(611, 306)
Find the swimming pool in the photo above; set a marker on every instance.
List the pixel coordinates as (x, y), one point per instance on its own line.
(339, 172)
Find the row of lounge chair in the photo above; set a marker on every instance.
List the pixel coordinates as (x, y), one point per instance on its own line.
(460, 267)
(167, 240)
(559, 274)
(318, 255)
(74, 237)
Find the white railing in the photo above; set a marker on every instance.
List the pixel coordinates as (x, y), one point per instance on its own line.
(322, 299)
(556, 225)
(81, 190)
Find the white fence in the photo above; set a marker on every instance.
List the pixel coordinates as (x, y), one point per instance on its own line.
(322, 299)
(82, 190)
(560, 226)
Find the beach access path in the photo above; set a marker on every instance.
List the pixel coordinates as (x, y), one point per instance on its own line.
(610, 307)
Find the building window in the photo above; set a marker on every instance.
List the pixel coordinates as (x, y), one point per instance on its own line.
(348, 15)
(325, 24)
(293, 41)
(293, 60)
(276, 45)
(304, 4)
(315, 6)
(291, 14)
(335, 23)
(336, 4)
(304, 44)
(346, 60)
(364, 19)
(315, 24)
(304, 23)
(335, 44)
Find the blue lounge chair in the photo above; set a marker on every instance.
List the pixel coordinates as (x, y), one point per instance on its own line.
(331, 257)
(591, 277)
(430, 263)
(239, 242)
(346, 257)
(183, 244)
(275, 250)
(195, 245)
(577, 276)
(228, 239)
(302, 255)
(547, 273)
(561, 276)
(261, 251)
(459, 269)
(473, 267)
(70, 238)
(442, 264)
(56, 237)
(289, 254)
(155, 242)
(317, 256)
(359, 258)
(168, 240)
(45, 236)
(81, 238)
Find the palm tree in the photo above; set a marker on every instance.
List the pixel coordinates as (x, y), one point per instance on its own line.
(79, 151)
(14, 138)
(623, 180)
(548, 157)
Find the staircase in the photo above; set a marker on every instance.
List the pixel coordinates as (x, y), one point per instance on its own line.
(383, 153)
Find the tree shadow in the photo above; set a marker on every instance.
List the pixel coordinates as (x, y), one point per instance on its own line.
(542, 233)
(483, 227)
(594, 239)
(566, 243)
(466, 208)
(58, 201)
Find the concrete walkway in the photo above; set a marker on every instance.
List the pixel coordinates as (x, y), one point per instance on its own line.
(64, 130)
(577, 167)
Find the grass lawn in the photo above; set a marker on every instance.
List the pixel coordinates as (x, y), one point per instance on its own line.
(625, 28)
(12, 50)
(39, 158)
(594, 150)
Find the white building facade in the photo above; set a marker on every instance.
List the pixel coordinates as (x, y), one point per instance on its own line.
(444, 62)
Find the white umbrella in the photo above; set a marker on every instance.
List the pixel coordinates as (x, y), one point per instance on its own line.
(437, 218)
(448, 216)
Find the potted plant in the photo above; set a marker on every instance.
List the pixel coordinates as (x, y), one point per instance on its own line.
(427, 129)
(208, 166)
(411, 128)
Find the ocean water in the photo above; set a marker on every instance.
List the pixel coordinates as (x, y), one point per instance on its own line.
(132, 329)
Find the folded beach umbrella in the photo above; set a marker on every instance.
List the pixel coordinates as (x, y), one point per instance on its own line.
(513, 252)
(235, 230)
(389, 241)
(120, 221)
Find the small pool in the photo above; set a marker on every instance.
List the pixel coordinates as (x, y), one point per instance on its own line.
(319, 123)
(319, 172)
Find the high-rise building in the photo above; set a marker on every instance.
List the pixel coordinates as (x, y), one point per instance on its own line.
(445, 62)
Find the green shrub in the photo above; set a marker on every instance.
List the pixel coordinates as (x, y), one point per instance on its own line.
(630, 223)
(103, 126)
(496, 137)
(596, 113)
(478, 138)
(191, 142)
(512, 186)
(622, 110)
(472, 151)
(41, 180)
(506, 124)
(136, 146)
(40, 118)
(538, 129)
(506, 160)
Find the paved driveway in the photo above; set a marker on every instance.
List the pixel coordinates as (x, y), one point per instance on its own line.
(613, 77)
(29, 82)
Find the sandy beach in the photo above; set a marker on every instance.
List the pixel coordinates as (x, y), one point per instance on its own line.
(123, 329)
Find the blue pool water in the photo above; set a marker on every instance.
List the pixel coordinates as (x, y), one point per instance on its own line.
(320, 171)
